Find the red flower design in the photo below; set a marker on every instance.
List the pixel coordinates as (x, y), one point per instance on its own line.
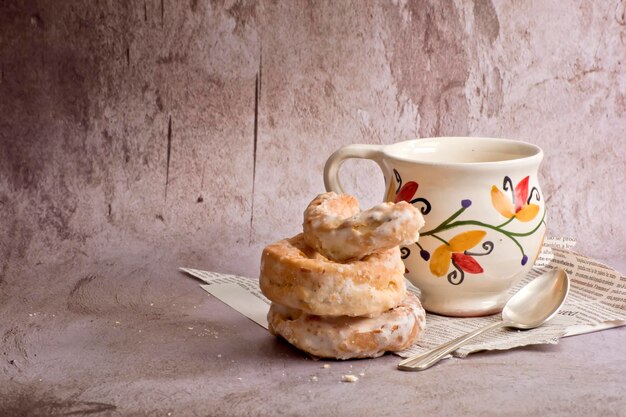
(407, 192)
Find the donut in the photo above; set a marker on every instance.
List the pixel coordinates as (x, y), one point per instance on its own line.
(350, 337)
(296, 276)
(335, 227)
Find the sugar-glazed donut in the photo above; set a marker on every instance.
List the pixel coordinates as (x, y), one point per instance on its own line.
(335, 227)
(350, 337)
(296, 276)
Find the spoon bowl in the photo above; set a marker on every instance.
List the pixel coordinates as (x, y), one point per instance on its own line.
(533, 305)
(538, 301)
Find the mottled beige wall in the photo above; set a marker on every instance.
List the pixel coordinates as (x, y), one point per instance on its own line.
(202, 127)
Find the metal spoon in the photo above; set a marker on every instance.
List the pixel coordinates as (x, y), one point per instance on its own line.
(533, 305)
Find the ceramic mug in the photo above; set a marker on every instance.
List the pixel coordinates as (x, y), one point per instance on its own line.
(484, 213)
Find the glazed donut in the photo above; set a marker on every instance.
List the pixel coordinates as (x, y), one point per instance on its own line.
(350, 337)
(296, 276)
(335, 227)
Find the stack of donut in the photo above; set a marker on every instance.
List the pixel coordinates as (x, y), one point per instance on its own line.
(338, 290)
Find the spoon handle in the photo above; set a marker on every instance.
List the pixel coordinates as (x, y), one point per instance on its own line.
(429, 358)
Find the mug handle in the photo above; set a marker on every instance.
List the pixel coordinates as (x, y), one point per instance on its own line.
(360, 151)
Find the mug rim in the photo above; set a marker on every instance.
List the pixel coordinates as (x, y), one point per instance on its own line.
(534, 152)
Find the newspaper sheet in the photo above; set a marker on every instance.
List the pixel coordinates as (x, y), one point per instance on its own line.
(597, 301)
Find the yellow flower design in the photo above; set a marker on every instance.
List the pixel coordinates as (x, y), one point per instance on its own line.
(454, 251)
(520, 208)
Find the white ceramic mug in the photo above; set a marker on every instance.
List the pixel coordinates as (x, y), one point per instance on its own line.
(484, 212)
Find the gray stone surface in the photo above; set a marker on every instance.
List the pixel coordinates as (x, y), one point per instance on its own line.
(136, 137)
(129, 335)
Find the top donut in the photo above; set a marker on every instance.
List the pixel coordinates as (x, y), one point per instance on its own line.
(335, 227)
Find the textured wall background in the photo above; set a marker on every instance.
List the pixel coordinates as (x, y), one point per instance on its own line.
(138, 136)
(201, 128)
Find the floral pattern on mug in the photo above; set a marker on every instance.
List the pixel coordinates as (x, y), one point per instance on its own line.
(455, 251)
(406, 192)
(520, 206)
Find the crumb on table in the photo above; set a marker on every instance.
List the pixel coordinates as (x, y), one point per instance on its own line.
(349, 378)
